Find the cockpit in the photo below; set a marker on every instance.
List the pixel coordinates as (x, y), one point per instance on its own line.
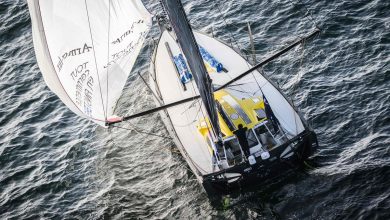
(261, 138)
(259, 132)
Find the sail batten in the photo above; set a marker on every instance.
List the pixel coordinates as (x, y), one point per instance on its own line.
(86, 50)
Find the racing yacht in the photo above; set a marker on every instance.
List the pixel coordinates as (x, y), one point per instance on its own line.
(204, 90)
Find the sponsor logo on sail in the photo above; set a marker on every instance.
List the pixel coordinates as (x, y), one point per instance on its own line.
(127, 33)
(71, 53)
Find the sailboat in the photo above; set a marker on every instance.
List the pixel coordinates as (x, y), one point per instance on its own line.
(231, 123)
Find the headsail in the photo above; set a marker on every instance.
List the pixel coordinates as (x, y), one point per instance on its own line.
(87, 48)
(190, 49)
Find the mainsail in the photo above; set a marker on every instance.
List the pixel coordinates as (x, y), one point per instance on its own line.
(190, 49)
(87, 48)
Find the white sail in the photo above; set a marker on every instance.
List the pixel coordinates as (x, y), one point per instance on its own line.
(87, 48)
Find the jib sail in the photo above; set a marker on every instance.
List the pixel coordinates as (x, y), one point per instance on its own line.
(87, 48)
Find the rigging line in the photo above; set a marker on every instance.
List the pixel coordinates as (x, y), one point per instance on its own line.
(261, 90)
(262, 70)
(307, 12)
(295, 87)
(94, 55)
(158, 149)
(192, 161)
(152, 48)
(151, 45)
(150, 89)
(300, 66)
(237, 90)
(197, 113)
(201, 109)
(258, 82)
(108, 52)
(196, 116)
(185, 125)
(254, 93)
(239, 85)
(232, 85)
(235, 40)
(200, 106)
(191, 105)
(142, 132)
(224, 20)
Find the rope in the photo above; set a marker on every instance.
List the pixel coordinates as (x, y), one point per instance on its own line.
(181, 165)
(258, 82)
(224, 21)
(296, 85)
(196, 116)
(108, 52)
(303, 45)
(308, 12)
(311, 19)
(193, 103)
(241, 91)
(141, 131)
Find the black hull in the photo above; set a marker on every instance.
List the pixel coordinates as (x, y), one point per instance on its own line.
(302, 147)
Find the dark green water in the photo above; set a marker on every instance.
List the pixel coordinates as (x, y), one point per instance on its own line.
(55, 165)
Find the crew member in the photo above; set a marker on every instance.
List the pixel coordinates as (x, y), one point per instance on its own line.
(242, 140)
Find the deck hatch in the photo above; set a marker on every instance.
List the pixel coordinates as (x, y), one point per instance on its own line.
(233, 103)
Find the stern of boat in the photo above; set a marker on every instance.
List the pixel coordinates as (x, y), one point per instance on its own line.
(287, 157)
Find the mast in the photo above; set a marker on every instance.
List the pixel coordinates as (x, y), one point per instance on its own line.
(190, 49)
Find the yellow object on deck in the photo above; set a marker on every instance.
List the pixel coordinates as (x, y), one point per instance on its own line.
(233, 111)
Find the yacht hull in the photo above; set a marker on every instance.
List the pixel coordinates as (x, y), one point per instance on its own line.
(182, 121)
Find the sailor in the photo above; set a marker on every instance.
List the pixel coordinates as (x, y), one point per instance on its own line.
(242, 140)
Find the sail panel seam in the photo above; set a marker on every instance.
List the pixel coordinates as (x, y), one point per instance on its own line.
(94, 55)
(108, 53)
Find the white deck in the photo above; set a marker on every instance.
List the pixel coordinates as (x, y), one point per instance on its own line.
(185, 117)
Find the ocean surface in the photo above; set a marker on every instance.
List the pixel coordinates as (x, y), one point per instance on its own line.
(56, 165)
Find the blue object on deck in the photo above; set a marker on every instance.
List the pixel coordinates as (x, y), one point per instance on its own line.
(210, 59)
(184, 72)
